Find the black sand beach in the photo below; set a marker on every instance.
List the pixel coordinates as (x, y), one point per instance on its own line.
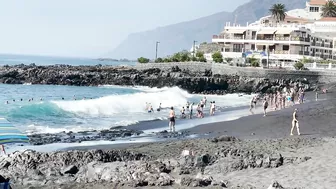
(250, 152)
(316, 120)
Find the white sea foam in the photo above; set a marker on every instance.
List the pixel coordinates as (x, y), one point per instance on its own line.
(128, 109)
(126, 104)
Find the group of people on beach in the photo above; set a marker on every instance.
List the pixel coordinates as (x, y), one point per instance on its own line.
(279, 100)
(186, 111)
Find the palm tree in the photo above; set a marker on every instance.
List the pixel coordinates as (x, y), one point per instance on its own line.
(329, 9)
(278, 11)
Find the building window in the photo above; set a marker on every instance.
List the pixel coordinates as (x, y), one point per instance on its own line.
(238, 47)
(285, 47)
(314, 9)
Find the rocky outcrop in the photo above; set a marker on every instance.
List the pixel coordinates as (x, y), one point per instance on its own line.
(70, 137)
(193, 82)
(133, 169)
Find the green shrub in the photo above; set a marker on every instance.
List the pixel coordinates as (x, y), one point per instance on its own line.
(217, 57)
(143, 60)
(202, 59)
(199, 54)
(158, 60)
(299, 66)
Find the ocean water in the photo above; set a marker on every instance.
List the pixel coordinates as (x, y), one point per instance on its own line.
(9, 59)
(95, 108)
(53, 109)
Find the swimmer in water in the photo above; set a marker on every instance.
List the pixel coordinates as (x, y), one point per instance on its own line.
(62, 98)
(150, 109)
(21, 99)
(7, 102)
(146, 107)
(159, 108)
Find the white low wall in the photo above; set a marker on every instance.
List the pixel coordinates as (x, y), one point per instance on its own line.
(321, 75)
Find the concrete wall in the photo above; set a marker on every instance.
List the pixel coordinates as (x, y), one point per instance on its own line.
(223, 69)
(192, 66)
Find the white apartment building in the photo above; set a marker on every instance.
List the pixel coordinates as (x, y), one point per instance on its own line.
(303, 33)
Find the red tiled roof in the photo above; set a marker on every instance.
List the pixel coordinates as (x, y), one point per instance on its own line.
(318, 2)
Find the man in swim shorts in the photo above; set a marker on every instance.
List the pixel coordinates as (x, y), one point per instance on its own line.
(295, 123)
(172, 120)
(191, 110)
(183, 113)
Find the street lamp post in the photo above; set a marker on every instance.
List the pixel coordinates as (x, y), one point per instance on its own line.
(194, 50)
(156, 49)
(268, 55)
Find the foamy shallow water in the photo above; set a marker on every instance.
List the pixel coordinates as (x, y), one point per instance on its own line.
(110, 106)
(146, 137)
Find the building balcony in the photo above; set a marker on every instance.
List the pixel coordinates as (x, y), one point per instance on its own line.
(261, 38)
(280, 52)
(306, 53)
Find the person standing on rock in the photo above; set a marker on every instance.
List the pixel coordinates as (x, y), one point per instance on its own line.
(295, 123)
(172, 120)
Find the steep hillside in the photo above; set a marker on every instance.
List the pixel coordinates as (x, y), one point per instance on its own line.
(180, 36)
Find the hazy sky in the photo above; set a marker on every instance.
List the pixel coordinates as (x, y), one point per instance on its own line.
(90, 28)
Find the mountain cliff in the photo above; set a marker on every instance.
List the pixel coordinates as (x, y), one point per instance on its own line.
(177, 37)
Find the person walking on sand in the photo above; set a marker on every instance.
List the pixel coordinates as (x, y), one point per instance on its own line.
(212, 108)
(295, 123)
(172, 120)
(316, 95)
(252, 105)
(265, 105)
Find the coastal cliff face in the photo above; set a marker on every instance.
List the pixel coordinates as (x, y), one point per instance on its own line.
(193, 81)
